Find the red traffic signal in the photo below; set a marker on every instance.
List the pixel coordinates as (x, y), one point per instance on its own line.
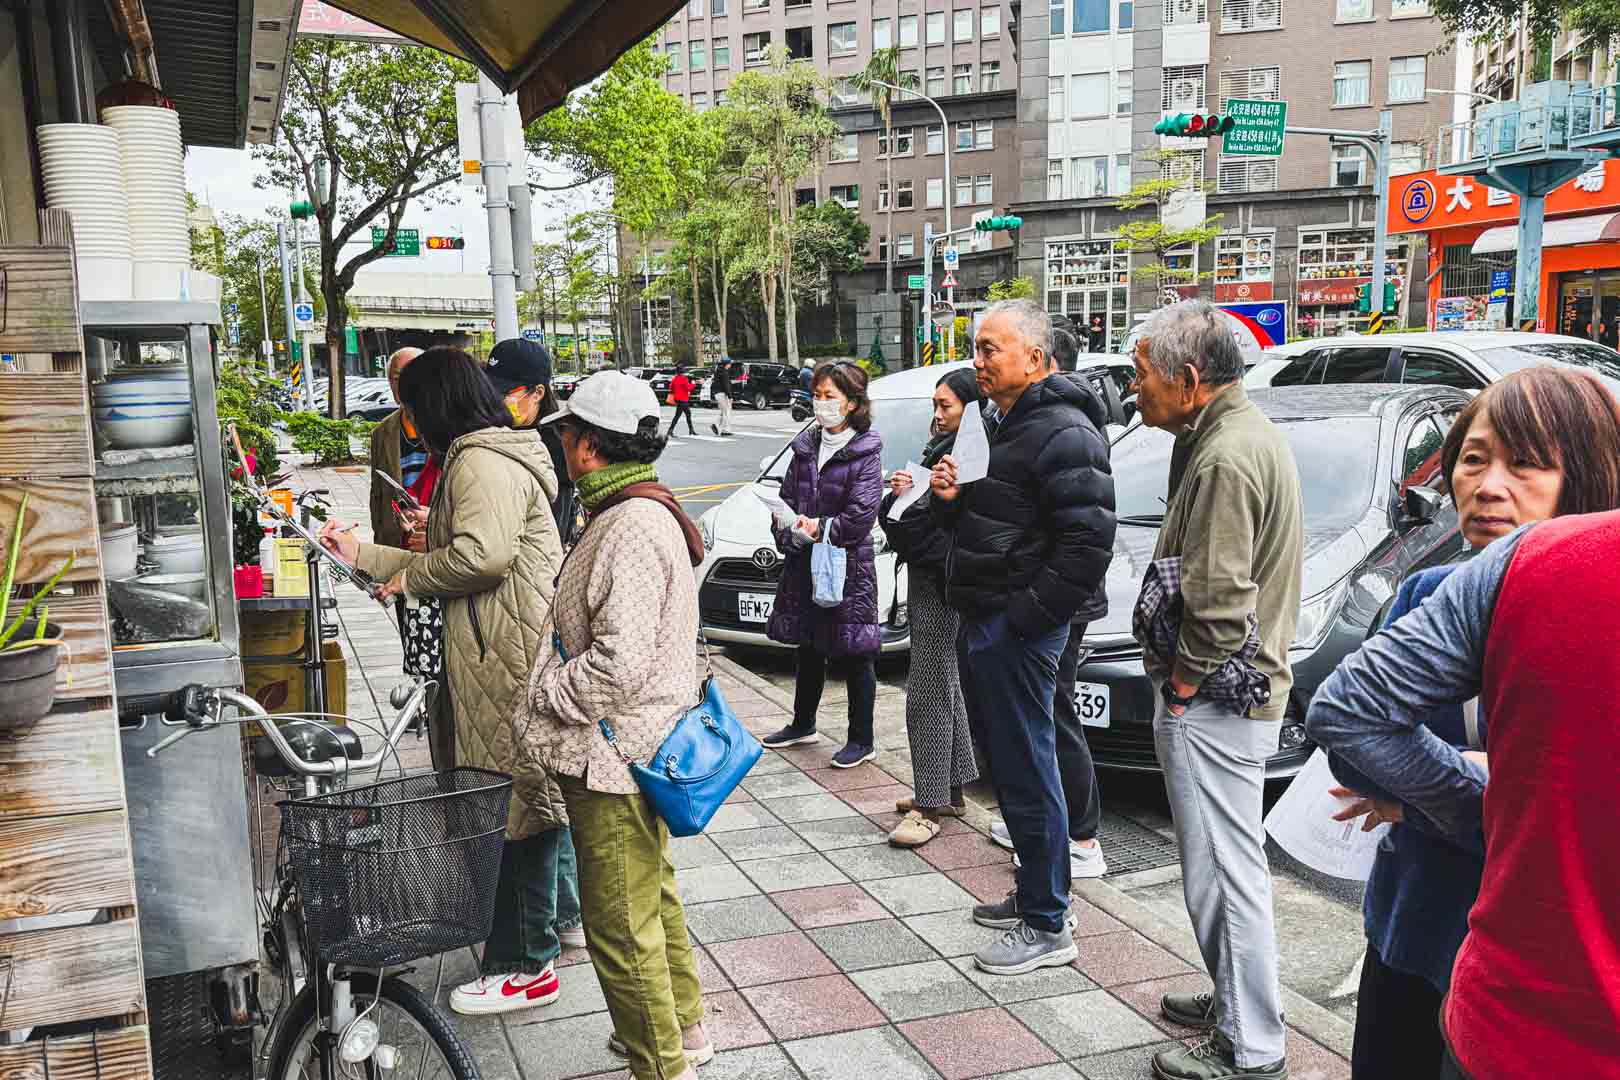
(446, 243)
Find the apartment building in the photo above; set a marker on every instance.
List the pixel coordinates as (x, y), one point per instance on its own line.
(1098, 74)
(1502, 67)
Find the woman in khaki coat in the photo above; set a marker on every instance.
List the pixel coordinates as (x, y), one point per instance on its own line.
(493, 555)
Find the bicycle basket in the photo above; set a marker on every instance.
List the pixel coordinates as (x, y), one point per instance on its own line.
(396, 871)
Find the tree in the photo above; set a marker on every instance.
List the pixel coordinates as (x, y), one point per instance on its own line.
(1596, 20)
(571, 277)
(1018, 288)
(246, 244)
(884, 67)
(1150, 236)
(832, 240)
(364, 131)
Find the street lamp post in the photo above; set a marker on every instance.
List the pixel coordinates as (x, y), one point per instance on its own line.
(928, 254)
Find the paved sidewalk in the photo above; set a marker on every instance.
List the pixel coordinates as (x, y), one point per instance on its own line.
(826, 954)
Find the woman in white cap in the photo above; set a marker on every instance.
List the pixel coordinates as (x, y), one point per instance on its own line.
(619, 649)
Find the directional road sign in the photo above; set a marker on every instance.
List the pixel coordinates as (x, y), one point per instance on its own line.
(304, 315)
(407, 242)
(533, 333)
(916, 281)
(1257, 127)
(953, 258)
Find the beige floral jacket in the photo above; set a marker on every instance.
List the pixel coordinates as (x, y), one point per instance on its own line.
(627, 612)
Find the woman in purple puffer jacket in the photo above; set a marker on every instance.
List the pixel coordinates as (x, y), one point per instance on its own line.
(834, 483)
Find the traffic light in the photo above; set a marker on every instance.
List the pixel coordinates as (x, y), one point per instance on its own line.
(1194, 125)
(302, 209)
(446, 243)
(996, 224)
(1392, 292)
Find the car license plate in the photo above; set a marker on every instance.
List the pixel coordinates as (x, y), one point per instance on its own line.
(1091, 702)
(755, 606)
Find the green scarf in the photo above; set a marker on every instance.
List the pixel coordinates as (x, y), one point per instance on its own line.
(596, 486)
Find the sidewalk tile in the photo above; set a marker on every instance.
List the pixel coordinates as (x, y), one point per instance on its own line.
(1135, 1064)
(710, 977)
(690, 852)
(489, 1048)
(760, 843)
(1127, 957)
(913, 991)
(1057, 1071)
(877, 800)
(1144, 997)
(780, 785)
(755, 1063)
(881, 943)
(865, 775)
(919, 894)
(1310, 1061)
(880, 1053)
(727, 920)
(812, 755)
(731, 1023)
(807, 1007)
(777, 958)
(581, 994)
(741, 815)
(886, 818)
(829, 905)
(872, 861)
(770, 763)
(569, 958)
(556, 1049)
(1092, 1022)
(976, 1043)
(1090, 920)
(810, 808)
(790, 872)
(961, 852)
(834, 833)
(705, 883)
(986, 883)
(951, 933)
(738, 795)
(1040, 983)
(757, 708)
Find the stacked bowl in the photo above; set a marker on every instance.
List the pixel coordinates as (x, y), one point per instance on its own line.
(144, 407)
(84, 175)
(154, 175)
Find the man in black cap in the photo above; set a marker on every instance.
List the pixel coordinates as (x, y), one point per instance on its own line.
(521, 370)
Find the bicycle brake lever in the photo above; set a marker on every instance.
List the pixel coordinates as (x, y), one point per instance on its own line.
(168, 741)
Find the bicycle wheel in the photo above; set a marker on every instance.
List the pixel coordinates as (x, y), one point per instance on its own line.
(409, 1022)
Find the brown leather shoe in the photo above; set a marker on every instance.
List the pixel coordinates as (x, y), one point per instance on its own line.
(914, 830)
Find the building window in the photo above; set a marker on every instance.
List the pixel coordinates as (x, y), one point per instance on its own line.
(1236, 174)
(936, 82)
(1242, 260)
(964, 190)
(844, 95)
(904, 197)
(756, 5)
(962, 25)
(1092, 16)
(1054, 98)
(719, 98)
(700, 101)
(989, 22)
(840, 38)
(1122, 174)
(1059, 9)
(1185, 12)
(1123, 81)
(694, 9)
(1349, 166)
(883, 195)
(846, 147)
(912, 83)
(721, 52)
(1406, 78)
(1186, 165)
(883, 247)
(964, 136)
(908, 31)
(1345, 253)
(962, 79)
(934, 192)
(934, 139)
(801, 42)
(846, 195)
(880, 34)
(1238, 16)
(1091, 277)
(1402, 9)
(902, 142)
(754, 46)
(1258, 83)
(1405, 157)
(1127, 14)
(1183, 89)
(717, 7)
(984, 134)
(674, 54)
(935, 22)
(1352, 82)
(904, 247)
(982, 192)
(1088, 177)
(989, 76)
(1088, 95)
(792, 5)
(697, 58)
(1353, 11)
(1054, 178)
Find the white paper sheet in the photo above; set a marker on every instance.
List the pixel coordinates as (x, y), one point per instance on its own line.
(1302, 824)
(972, 450)
(919, 488)
(781, 513)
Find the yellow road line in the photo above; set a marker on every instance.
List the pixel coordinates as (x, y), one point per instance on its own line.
(699, 489)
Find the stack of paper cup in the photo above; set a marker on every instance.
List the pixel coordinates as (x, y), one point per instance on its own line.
(155, 184)
(84, 176)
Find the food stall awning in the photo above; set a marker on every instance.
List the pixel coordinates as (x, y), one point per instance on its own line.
(1559, 232)
(537, 49)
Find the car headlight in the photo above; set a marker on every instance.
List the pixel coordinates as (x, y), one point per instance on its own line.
(1316, 614)
(705, 525)
(880, 542)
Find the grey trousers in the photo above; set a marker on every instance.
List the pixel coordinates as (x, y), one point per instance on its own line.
(1214, 763)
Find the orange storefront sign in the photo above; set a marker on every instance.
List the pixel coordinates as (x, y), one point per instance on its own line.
(1426, 201)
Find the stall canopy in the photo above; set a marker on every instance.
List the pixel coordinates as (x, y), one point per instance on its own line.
(537, 49)
(1560, 232)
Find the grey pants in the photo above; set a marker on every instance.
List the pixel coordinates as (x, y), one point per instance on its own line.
(723, 403)
(1214, 763)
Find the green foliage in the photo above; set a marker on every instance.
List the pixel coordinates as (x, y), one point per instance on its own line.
(12, 548)
(243, 398)
(328, 440)
(246, 532)
(1150, 236)
(873, 362)
(1490, 20)
(1019, 288)
(829, 239)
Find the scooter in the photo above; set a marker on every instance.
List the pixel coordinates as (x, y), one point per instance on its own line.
(799, 405)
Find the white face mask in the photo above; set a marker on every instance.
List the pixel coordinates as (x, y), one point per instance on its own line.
(829, 414)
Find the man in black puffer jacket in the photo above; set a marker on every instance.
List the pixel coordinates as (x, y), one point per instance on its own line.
(1032, 542)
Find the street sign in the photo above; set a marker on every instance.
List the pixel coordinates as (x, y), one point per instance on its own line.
(407, 242)
(230, 309)
(236, 336)
(304, 315)
(953, 258)
(916, 281)
(533, 333)
(949, 282)
(1257, 128)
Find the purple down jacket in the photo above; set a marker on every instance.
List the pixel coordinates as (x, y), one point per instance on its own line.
(845, 497)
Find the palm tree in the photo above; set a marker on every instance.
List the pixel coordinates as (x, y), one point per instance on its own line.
(884, 67)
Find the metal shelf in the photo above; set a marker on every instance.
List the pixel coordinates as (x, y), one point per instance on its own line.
(164, 476)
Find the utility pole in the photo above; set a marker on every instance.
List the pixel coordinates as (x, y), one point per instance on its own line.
(950, 194)
(264, 317)
(333, 380)
(287, 308)
(497, 200)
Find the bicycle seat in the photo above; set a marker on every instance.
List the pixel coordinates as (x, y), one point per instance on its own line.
(312, 741)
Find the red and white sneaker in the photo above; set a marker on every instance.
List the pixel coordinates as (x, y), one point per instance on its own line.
(505, 993)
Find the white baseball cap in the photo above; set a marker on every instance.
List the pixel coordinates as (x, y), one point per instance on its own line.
(610, 400)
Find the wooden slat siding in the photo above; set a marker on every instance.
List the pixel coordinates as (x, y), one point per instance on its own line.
(44, 427)
(61, 522)
(41, 308)
(67, 763)
(54, 866)
(120, 1054)
(76, 973)
(85, 664)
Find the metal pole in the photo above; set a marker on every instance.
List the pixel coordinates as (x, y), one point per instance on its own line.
(503, 277)
(264, 318)
(1527, 271)
(1386, 126)
(286, 297)
(307, 355)
(950, 195)
(928, 285)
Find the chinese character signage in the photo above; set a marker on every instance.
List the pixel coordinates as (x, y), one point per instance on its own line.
(1425, 200)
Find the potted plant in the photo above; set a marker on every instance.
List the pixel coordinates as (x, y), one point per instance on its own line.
(30, 645)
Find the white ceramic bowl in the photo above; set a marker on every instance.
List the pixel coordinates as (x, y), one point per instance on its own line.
(145, 433)
(175, 559)
(191, 584)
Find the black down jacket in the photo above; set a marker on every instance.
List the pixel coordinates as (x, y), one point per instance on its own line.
(918, 539)
(1035, 536)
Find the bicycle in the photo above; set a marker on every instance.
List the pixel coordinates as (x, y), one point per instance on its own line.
(367, 879)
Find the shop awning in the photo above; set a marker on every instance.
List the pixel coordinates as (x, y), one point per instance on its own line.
(1559, 232)
(537, 49)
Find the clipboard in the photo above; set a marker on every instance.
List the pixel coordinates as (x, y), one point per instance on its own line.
(410, 500)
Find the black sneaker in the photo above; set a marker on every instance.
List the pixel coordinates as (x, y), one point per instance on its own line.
(1212, 1059)
(1189, 1010)
(852, 755)
(1002, 915)
(789, 736)
(715, 428)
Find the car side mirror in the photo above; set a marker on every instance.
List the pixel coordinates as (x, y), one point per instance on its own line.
(1422, 504)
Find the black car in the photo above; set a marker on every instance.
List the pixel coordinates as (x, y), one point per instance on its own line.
(1369, 462)
(762, 385)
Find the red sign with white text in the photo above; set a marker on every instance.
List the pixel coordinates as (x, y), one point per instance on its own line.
(323, 20)
(1424, 201)
(1329, 290)
(1238, 292)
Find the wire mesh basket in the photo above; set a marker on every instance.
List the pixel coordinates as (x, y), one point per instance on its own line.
(396, 871)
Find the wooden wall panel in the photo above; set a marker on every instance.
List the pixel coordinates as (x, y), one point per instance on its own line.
(54, 866)
(85, 669)
(61, 521)
(77, 973)
(39, 310)
(67, 763)
(44, 428)
(119, 1054)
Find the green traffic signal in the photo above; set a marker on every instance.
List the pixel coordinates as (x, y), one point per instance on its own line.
(301, 210)
(997, 224)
